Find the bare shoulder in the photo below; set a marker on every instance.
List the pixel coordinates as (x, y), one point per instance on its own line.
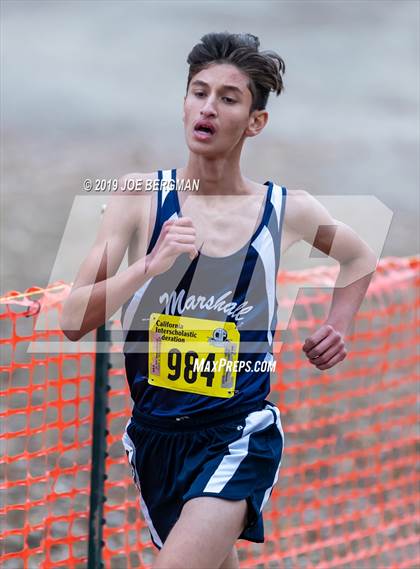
(297, 203)
(300, 193)
(300, 197)
(134, 183)
(304, 214)
(126, 198)
(124, 211)
(300, 204)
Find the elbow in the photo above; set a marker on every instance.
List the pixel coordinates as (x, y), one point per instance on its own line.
(68, 328)
(366, 260)
(71, 335)
(362, 266)
(371, 260)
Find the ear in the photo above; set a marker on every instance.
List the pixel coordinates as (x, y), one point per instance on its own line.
(257, 122)
(183, 109)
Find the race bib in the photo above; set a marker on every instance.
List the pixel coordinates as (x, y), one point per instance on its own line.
(194, 355)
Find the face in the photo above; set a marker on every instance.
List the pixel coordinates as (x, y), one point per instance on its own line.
(217, 111)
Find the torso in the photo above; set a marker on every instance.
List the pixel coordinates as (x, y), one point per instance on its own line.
(230, 285)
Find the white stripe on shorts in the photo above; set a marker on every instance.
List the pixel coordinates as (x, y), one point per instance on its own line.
(238, 450)
(129, 446)
(280, 428)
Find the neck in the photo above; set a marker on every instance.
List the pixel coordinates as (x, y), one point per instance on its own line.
(216, 176)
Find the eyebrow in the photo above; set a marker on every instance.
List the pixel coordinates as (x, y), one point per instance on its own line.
(224, 87)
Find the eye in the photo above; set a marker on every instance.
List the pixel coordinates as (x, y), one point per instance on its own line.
(229, 100)
(199, 94)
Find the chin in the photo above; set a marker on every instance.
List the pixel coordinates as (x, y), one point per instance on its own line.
(207, 150)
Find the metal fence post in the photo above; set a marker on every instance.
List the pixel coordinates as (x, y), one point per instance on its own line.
(99, 454)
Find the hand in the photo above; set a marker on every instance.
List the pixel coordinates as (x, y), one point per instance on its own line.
(176, 237)
(325, 347)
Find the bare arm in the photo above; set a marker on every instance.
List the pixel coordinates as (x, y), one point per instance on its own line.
(309, 220)
(97, 291)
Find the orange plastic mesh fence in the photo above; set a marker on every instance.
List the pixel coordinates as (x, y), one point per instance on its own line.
(347, 494)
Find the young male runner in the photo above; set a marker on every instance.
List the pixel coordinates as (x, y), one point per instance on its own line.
(204, 443)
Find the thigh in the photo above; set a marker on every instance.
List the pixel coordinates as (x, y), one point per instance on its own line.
(204, 534)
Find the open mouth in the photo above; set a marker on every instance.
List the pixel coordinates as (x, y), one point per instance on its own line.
(204, 130)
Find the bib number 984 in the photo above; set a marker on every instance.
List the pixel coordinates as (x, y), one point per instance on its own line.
(194, 355)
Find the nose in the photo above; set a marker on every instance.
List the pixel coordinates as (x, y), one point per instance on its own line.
(208, 108)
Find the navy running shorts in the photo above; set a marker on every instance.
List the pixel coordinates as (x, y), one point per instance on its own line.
(231, 456)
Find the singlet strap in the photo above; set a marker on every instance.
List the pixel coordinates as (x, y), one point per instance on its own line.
(165, 206)
(278, 200)
(251, 256)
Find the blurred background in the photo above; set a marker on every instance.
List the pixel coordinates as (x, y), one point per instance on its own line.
(94, 89)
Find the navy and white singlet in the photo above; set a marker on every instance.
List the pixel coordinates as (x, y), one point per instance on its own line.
(238, 288)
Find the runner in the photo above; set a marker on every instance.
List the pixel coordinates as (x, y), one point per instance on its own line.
(199, 311)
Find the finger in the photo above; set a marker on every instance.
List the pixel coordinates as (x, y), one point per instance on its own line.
(182, 230)
(332, 340)
(192, 252)
(184, 221)
(317, 337)
(179, 248)
(327, 355)
(172, 232)
(333, 361)
(166, 228)
(180, 238)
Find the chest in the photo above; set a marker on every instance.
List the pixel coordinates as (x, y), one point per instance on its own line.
(224, 226)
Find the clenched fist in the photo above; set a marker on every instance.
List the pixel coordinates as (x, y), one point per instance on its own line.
(325, 348)
(176, 237)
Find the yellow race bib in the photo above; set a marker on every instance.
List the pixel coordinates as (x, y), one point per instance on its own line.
(194, 355)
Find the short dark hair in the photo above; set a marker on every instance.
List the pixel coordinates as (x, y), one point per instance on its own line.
(264, 68)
